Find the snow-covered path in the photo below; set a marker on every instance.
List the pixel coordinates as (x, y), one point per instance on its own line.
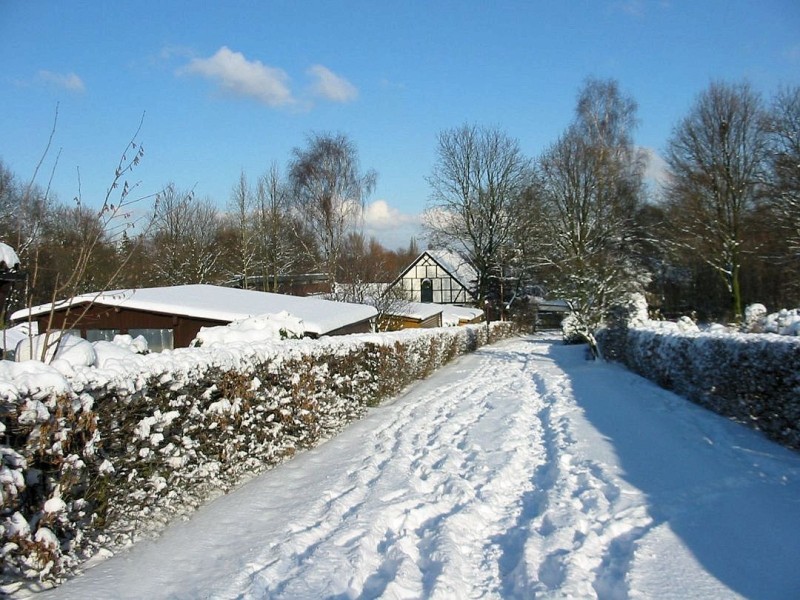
(520, 471)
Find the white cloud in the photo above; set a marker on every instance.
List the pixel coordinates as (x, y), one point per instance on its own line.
(634, 8)
(331, 86)
(379, 215)
(391, 227)
(233, 73)
(656, 170)
(68, 81)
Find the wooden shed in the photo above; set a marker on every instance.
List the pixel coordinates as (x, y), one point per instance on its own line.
(411, 315)
(171, 317)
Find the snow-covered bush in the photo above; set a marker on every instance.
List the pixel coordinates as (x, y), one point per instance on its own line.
(98, 456)
(783, 322)
(754, 315)
(261, 328)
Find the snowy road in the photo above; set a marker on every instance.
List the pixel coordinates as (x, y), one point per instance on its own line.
(521, 471)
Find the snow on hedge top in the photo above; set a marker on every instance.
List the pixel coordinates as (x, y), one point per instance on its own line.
(218, 303)
(8, 257)
(255, 329)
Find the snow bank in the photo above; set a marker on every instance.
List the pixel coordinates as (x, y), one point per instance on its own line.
(261, 328)
(139, 440)
(784, 322)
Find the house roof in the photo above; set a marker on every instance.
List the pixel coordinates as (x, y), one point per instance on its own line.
(224, 304)
(458, 314)
(8, 258)
(415, 310)
(454, 264)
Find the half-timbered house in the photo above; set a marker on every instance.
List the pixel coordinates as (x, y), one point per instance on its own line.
(440, 278)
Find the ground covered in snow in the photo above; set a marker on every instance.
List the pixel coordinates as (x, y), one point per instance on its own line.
(519, 471)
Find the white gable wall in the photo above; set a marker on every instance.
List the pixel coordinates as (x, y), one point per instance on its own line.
(446, 289)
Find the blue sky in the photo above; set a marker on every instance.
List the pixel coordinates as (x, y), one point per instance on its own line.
(235, 85)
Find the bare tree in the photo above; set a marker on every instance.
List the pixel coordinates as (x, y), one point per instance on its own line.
(717, 158)
(477, 183)
(186, 238)
(784, 183)
(86, 235)
(582, 207)
(282, 244)
(329, 191)
(367, 270)
(243, 258)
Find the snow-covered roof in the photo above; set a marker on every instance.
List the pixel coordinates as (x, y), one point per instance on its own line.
(415, 310)
(223, 304)
(8, 258)
(453, 315)
(459, 268)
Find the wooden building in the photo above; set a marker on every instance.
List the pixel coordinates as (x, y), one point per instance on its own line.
(439, 278)
(171, 317)
(411, 315)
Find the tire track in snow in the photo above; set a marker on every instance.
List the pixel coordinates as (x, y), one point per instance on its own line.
(424, 522)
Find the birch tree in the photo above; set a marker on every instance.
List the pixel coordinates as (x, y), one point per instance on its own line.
(329, 190)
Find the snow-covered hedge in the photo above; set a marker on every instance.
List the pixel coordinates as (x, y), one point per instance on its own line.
(753, 378)
(97, 457)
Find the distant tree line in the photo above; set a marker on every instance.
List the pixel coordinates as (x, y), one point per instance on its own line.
(306, 221)
(580, 223)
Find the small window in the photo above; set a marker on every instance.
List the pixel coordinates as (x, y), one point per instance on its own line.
(97, 335)
(157, 339)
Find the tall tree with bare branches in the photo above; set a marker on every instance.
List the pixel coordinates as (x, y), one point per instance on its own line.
(717, 158)
(477, 185)
(588, 187)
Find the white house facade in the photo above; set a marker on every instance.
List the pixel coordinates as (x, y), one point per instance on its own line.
(439, 278)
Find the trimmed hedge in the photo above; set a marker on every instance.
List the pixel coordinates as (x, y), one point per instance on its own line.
(752, 378)
(115, 460)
